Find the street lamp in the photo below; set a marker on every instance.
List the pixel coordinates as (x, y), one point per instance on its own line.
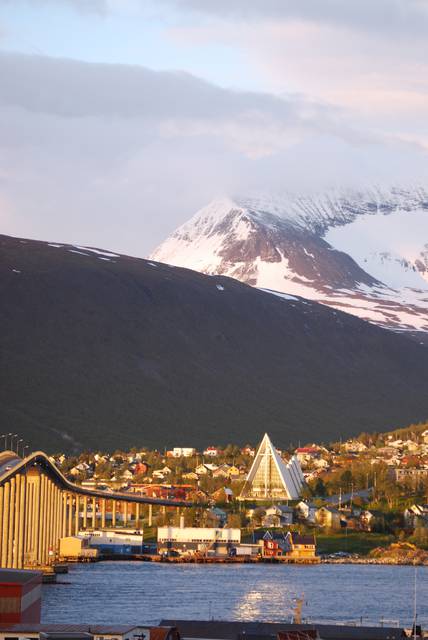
(17, 445)
(24, 448)
(12, 436)
(4, 436)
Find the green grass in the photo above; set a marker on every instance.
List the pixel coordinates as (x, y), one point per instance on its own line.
(353, 542)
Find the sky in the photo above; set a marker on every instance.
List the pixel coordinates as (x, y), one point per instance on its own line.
(120, 118)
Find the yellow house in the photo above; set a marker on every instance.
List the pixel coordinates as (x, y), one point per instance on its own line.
(301, 547)
(328, 517)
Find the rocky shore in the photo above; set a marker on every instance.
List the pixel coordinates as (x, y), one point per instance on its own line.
(400, 553)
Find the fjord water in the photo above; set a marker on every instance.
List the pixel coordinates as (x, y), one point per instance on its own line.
(122, 592)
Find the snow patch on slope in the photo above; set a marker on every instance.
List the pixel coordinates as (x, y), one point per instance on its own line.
(365, 253)
(388, 247)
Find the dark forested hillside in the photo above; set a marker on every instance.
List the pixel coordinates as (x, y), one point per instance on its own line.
(105, 351)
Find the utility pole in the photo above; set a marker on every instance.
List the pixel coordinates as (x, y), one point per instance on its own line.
(415, 608)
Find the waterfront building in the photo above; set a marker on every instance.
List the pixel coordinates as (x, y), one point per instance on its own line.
(198, 540)
(123, 542)
(300, 547)
(76, 549)
(49, 631)
(20, 596)
(270, 477)
(240, 629)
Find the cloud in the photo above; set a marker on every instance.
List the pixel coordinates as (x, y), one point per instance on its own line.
(409, 17)
(117, 156)
(369, 58)
(172, 104)
(83, 6)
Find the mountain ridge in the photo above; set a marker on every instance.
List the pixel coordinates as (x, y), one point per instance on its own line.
(100, 350)
(332, 250)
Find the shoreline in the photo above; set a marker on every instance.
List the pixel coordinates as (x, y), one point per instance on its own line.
(265, 561)
(374, 561)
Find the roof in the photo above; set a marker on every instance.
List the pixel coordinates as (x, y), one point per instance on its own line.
(302, 539)
(307, 634)
(98, 629)
(18, 576)
(66, 635)
(160, 633)
(220, 630)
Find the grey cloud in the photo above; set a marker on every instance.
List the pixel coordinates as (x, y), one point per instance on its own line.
(118, 156)
(83, 6)
(74, 89)
(404, 17)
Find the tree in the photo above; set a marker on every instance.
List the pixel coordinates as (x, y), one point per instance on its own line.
(320, 489)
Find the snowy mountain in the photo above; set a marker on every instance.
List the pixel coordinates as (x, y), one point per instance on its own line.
(362, 252)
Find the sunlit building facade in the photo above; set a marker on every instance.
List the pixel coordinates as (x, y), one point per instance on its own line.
(272, 478)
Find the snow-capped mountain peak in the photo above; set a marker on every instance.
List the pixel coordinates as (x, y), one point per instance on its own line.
(364, 252)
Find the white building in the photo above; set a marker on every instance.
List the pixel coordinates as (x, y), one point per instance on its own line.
(183, 452)
(212, 452)
(123, 541)
(203, 540)
(78, 631)
(271, 478)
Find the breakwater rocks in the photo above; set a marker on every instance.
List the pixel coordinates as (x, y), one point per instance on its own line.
(400, 553)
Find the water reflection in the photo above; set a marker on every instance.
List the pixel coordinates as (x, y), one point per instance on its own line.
(122, 592)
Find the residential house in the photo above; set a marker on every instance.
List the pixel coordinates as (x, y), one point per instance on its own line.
(225, 471)
(328, 517)
(212, 452)
(354, 446)
(162, 473)
(307, 454)
(181, 452)
(279, 515)
(82, 467)
(206, 469)
(142, 468)
(414, 513)
(291, 546)
(191, 475)
(300, 547)
(371, 520)
(217, 515)
(321, 463)
(306, 511)
(223, 495)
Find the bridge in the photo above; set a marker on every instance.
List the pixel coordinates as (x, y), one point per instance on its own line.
(39, 506)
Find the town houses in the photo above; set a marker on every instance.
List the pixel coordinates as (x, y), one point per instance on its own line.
(370, 484)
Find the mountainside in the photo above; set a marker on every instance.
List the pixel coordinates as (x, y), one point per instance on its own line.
(101, 351)
(365, 253)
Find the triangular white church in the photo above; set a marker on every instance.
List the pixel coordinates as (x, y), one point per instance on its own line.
(270, 477)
